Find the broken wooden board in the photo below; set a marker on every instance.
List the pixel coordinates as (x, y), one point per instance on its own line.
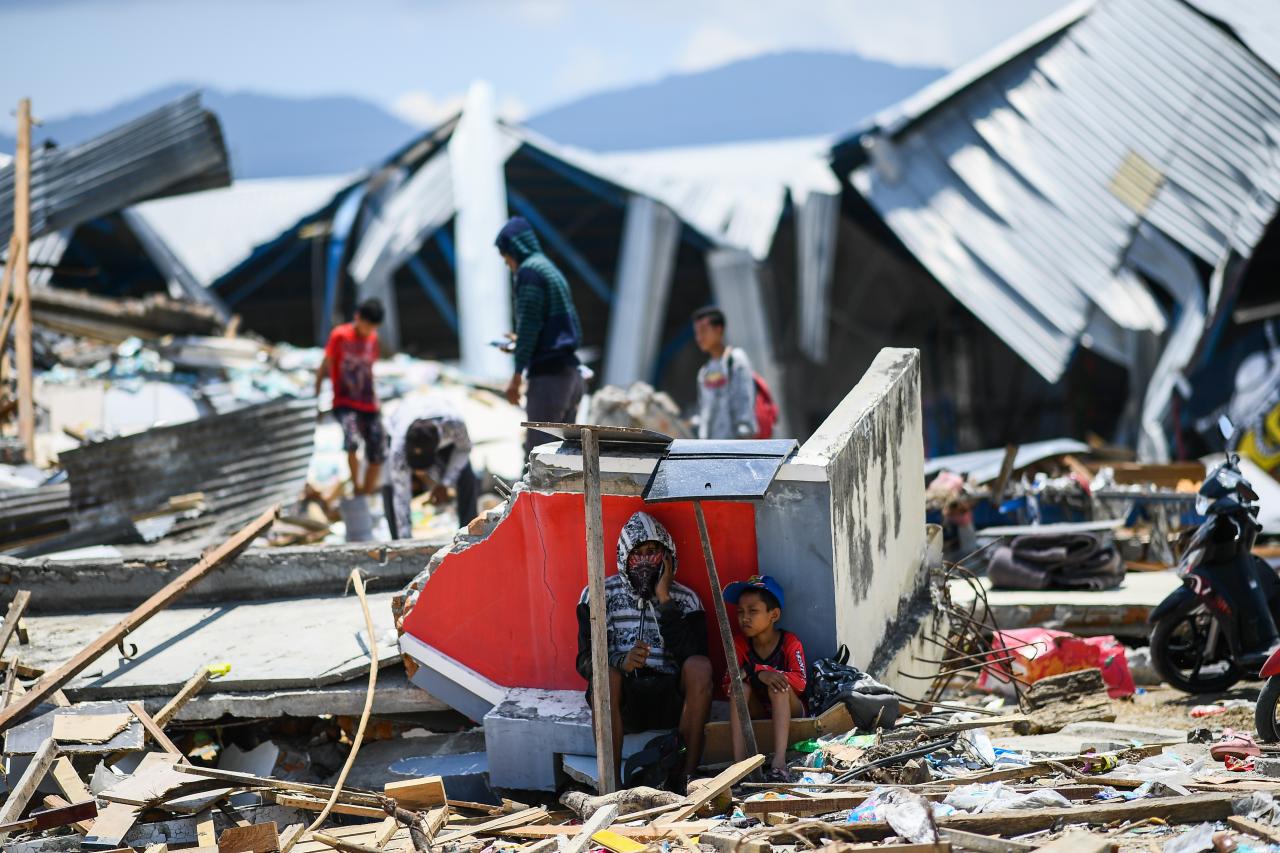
(1196, 808)
(652, 832)
(249, 781)
(111, 826)
(722, 781)
(416, 794)
(719, 738)
(496, 825)
(157, 780)
(24, 788)
(315, 804)
(25, 738)
(1257, 829)
(89, 728)
(1079, 842)
(255, 838)
(154, 731)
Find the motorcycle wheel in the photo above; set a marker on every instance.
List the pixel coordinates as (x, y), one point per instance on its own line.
(1264, 716)
(1177, 652)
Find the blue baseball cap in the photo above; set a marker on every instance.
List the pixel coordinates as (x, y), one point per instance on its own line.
(734, 591)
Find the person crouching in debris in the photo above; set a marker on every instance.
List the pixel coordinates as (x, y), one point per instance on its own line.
(659, 672)
(547, 333)
(772, 664)
(348, 362)
(428, 436)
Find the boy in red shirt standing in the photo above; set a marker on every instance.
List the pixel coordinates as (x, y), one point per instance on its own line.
(348, 361)
(772, 665)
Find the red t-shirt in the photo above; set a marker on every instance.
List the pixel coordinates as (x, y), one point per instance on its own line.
(351, 359)
(786, 658)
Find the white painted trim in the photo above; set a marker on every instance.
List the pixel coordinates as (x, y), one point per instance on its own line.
(446, 667)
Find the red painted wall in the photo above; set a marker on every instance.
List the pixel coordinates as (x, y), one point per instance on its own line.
(506, 606)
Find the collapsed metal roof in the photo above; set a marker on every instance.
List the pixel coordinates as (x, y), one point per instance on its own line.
(1020, 183)
(175, 149)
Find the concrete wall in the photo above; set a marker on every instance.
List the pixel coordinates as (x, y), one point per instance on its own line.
(872, 450)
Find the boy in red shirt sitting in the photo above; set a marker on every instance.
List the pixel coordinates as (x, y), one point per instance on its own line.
(772, 665)
(348, 362)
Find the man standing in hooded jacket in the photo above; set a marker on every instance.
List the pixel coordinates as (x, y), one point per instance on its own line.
(547, 334)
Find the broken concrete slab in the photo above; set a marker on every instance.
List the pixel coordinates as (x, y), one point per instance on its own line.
(65, 585)
(292, 643)
(395, 695)
(1122, 611)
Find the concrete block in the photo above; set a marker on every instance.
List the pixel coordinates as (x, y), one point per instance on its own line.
(528, 730)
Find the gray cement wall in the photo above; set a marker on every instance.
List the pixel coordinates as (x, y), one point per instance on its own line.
(872, 450)
(68, 586)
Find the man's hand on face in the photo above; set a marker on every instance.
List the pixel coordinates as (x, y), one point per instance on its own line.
(513, 390)
(663, 589)
(636, 658)
(439, 494)
(775, 682)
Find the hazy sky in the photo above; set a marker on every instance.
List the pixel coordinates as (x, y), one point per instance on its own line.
(417, 56)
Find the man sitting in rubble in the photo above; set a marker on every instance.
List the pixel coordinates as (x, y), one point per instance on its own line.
(429, 438)
(659, 672)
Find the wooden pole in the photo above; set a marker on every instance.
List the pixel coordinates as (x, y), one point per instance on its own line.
(601, 711)
(53, 681)
(22, 288)
(736, 690)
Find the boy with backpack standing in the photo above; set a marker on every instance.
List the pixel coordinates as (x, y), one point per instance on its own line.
(733, 401)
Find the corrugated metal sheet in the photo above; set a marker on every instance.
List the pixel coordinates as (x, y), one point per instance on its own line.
(243, 461)
(28, 516)
(175, 149)
(1021, 190)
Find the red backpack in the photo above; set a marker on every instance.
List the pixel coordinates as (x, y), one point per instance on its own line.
(766, 408)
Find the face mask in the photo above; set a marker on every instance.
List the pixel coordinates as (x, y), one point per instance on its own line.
(643, 570)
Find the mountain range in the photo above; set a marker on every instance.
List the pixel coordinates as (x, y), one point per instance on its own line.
(799, 93)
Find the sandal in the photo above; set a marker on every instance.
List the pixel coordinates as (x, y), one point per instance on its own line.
(777, 776)
(1236, 745)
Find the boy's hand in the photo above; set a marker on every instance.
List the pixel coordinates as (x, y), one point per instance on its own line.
(513, 390)
(636, 658)
(776, 682)
(439, 494)
(663, 588)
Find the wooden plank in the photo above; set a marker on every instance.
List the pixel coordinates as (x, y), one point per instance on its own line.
(315, 804)
(219, 556)
(21, 792)
(1257, 829)
(54, 816)
(291, 832)
(22, 285)
(598, 821)
(718, 743)
(343, 845)
(934, 847)
(255, 838)
(112, 824)
(386, 831)
(803, 806)
(1079, 842)
(724, 780)
(89, 728)
(248, 780)
(737, 690)
(69, 781)
(20, 600)
(984, 843)
(53, 801)
(193, 686)
(651, 832)
(1006, 471)
(205, 836)
(417, 794)
(497, 824)
(601, 713)
(1196, 808)
(154, 731)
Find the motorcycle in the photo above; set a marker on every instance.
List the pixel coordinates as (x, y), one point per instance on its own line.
(1220, 626)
